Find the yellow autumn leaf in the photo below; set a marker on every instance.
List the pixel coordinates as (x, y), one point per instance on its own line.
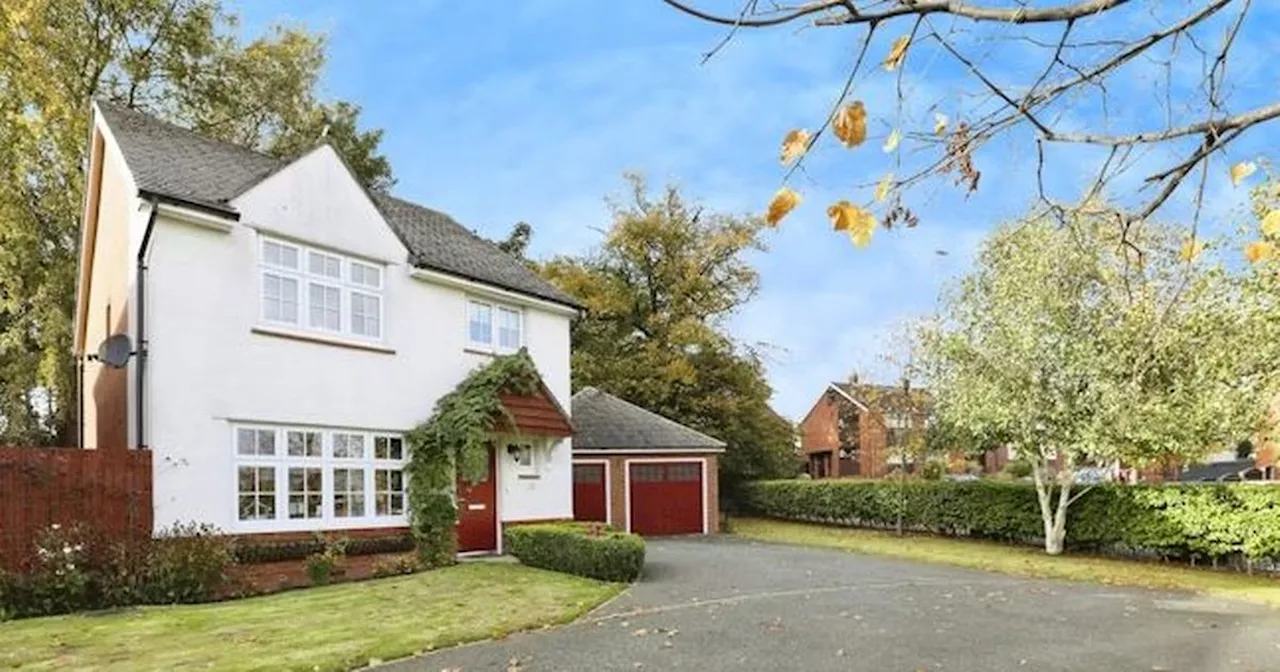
(1191, 249)
(897, 53)
(1259, 251)
(1242, 170)
(850, 124)
(1271, 224)
(782, 204)
(883, 187)
(939, 123)
(848, 217)
(891, 142)
(794, 145)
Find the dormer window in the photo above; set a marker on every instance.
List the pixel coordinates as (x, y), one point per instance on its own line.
(320, 291)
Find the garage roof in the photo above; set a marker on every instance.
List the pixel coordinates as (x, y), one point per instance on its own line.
(604, 422)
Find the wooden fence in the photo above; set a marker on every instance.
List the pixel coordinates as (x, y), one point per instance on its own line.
(108, 492)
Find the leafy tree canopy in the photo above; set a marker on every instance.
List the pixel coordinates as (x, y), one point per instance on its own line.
(178, 59)
(658, 292)
(1081, 350)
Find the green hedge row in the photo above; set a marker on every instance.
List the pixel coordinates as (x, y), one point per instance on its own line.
(1171, 521)
(586, 549)
(249, 553)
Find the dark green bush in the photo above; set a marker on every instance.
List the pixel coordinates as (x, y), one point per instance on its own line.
(592, 550)
(1171, 521)
(252, 553)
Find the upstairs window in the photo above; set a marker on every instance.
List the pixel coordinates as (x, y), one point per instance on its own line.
(320, 291)
(493, 327)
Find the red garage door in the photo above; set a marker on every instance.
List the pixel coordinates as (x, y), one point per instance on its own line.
(588, 493)
(666, 498)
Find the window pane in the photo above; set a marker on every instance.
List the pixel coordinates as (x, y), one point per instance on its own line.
(348, 446)
(366, 275)
(380, 479)
(245, 441)
(304, 493)
(365, 320)
(279, 298)
(326, 305)
(266, 442)
(481, 323)
(355, 480)
(248, 480)
(397, 448)
(380, 448)
(339, 480)
(303, 444)
(397, 505)
(324, 264)
(277, 254)
(266, 479)
(508, 329)
(356, 505)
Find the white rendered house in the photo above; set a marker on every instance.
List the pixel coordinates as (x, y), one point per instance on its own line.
(289, 327)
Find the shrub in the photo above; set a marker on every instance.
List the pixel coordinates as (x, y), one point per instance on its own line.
(74, 570)
(321, 566)
(1171, 521)
(593, 550)
(1019, 468)
(396, 567)
(250, 553)
(933, 470)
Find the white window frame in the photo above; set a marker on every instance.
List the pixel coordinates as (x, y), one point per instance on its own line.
(304, 278)
(282, 462)
(496, 309)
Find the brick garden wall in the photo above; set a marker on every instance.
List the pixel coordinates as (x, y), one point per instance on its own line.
(108, 491)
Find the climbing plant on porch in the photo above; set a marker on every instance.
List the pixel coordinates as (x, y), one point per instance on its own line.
(454, 441)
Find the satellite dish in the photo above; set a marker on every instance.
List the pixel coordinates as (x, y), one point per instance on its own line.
(115, 351)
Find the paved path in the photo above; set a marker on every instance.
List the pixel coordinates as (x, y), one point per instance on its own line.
(728, 604)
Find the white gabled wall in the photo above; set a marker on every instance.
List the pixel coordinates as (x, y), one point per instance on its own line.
(208, 370)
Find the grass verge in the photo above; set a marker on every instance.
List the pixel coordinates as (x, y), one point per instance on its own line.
(1015, 560)
(331, 628)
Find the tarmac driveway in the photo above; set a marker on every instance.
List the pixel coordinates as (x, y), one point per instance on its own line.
(728, 604)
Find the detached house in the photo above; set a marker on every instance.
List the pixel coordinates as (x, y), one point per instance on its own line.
(287, 328)
(861, 430)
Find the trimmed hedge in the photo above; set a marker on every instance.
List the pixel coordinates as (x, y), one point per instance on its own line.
(592, 550)
(252, 553)
(1187, 522)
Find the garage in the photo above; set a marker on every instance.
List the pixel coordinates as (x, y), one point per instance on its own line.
(640, 471)
(666, 497)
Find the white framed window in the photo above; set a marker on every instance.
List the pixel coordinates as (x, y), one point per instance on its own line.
(256, 491)
(306, 492)
(493, 327)
(321, 291)
(348, 493)
(303, 478)
(366, 315)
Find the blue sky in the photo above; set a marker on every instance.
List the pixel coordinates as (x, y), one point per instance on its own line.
(533, 110)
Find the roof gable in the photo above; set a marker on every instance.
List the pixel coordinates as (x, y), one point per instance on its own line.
(605, 422)
(172, 162)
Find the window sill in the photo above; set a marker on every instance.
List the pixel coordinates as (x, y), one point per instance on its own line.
(487, 352)
(321, 339)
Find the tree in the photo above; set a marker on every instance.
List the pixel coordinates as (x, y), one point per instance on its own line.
(657, 294)
(516, 243)
(1134, 86)
(178, 59)
(1080, 351)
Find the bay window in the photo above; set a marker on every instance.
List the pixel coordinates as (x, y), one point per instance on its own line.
(493, 327)
(330, 293)
(313, 478)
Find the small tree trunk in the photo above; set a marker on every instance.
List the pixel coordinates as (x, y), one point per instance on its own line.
(1055, 520)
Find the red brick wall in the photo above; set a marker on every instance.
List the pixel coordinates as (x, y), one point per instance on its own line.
(819, 433)
(108, 491)
(271, 577)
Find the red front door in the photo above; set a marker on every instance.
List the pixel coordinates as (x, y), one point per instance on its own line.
(589, 497)
(478, 512)
(666, 498)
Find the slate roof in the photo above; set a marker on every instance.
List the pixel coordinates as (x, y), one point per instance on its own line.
(174, 162)
(1216, 471)
(605, 422)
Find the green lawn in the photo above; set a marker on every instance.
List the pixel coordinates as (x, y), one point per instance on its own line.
(332, 628)
(1016, 560)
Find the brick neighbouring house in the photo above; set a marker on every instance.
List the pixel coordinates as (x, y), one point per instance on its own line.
(883, 415)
